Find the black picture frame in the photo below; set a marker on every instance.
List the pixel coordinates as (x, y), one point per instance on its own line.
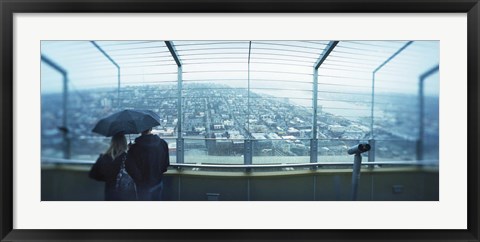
(9, 7)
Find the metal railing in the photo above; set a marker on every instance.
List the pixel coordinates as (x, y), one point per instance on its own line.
(60, 161)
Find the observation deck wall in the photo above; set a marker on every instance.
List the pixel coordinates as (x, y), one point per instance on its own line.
(70, 182)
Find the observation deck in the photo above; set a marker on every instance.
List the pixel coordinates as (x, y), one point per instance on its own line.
(250, 120)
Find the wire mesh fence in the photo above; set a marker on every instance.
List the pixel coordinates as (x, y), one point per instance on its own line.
(226, 93)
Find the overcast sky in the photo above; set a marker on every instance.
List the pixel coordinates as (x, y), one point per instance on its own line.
(286, 66)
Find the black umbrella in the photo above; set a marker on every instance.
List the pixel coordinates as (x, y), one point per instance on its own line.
(127, 122)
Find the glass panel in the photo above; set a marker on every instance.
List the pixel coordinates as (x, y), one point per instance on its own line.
(52, 112)
(172, 147)
(395, 150)
(397, 102)
(218, 150)
(281, 83)
(267, 149)
(92, 93)
(96, 90)
(214, 100)
(345, 86)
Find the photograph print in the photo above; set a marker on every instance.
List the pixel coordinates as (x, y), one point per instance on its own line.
(228, 120)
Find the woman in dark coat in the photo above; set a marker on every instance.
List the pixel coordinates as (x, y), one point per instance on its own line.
(107, 167)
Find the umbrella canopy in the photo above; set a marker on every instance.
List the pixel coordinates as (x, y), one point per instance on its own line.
(127, 122)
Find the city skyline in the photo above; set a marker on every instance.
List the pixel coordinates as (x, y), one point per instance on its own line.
(207, 114)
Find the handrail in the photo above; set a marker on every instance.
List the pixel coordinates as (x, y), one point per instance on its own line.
(317, 164)
(49, 160)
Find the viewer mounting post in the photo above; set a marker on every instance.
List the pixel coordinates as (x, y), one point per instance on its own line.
(357, 150)
(178, 61)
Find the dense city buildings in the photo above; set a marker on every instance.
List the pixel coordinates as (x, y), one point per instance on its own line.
(217, 119)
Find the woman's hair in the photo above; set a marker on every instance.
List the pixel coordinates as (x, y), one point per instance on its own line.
(147, 131)
(118, 145)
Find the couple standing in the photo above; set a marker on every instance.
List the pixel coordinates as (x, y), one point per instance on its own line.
(146, 161)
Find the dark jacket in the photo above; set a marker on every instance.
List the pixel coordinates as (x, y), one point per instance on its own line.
(105, 169)
(147, 160)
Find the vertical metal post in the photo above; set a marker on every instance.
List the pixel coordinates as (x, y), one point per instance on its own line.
(248, 150)
(248, 143)
(421, 108)
(372, 106)
(371, 152)
(180, 141)
(420, 120)
(66, 136)
(314, 140)
(248, 88)
(118, 87)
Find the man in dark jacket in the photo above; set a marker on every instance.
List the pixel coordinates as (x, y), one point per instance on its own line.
(147, 160)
